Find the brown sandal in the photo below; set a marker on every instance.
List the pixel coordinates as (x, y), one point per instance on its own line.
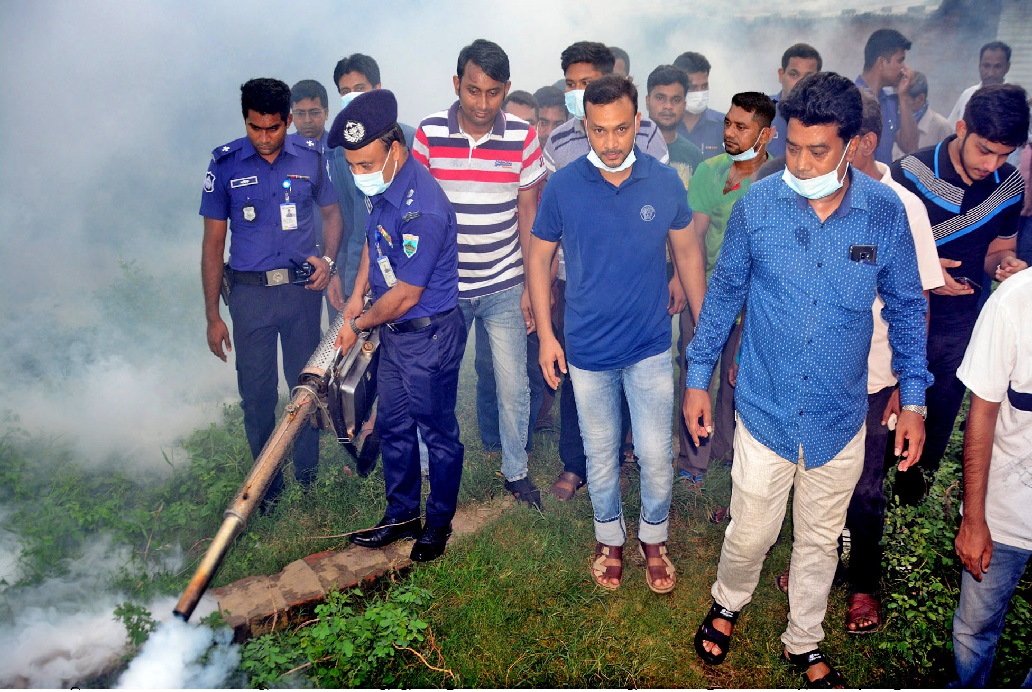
(608, 564)
(566, 486)
(781, 581)
(658, 560)
(863, 607)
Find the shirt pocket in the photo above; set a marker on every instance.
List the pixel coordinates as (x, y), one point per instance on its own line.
(239, 198)
(853, 285)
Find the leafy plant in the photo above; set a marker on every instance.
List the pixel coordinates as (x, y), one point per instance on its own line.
(138, 622)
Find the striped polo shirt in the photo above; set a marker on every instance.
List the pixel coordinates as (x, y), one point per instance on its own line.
(482, 179)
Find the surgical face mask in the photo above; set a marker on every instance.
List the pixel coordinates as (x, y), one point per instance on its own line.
(819, 187)
(370, 184)
(347, 98)
(696, 102)
(750, 153)
(598, 163)
(575, 103)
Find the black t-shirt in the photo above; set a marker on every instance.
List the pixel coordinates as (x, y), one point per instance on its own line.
(965, 219)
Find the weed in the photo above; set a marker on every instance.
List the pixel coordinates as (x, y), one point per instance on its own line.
(138, 622)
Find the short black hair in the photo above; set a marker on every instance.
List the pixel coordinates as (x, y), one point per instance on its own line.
(392, 135)
(760, 105)
(549, 97)
(996, 45)
(611, 88)
(871, 120)
(488, 56)
(825, 98)
(999, 113)
(358, 62)
(266, 97)
(883, 43)
(524, 98)
(309, 89)
(621, 54)
(591, 52)
(918, 84)
(665, 75)
(801, 50)
(692, 62)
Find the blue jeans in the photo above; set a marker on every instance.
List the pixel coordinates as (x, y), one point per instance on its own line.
(502, 317)
(978, 622)
(649, 388)
(487, 393)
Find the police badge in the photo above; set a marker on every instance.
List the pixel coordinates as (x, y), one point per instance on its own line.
(209, 181)
(249, 212)
(354, 131)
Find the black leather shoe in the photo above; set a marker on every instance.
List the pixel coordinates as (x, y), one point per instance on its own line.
(430, 545)
(386, 532)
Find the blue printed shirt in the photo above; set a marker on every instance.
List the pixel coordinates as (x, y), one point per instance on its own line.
(244, 188)
(808, 322)
(413, 225)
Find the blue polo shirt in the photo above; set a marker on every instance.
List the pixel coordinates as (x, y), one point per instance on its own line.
(808, 320)
(239, 180)
(353, 209)
(708, 134)
(412, 224)
(614, 240)
(890, 122)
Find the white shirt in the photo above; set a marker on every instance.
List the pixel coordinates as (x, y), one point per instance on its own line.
(997, 366)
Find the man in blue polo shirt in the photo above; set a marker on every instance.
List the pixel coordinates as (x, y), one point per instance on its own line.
(262, 190)
(887, 77)
(411, 263)
(805, 252)
(614, 211)
(702, 125)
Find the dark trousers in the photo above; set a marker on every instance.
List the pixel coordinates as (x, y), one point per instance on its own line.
(865, 518)
(719, 445)
(263, 316)
(571, 446)
(946, 346)
(417, 381)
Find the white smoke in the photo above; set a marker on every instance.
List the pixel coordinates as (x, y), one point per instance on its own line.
(180, 655)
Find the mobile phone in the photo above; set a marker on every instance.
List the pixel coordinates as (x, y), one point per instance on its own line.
(968, 282)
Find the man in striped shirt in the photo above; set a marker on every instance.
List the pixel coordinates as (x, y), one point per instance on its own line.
(489, 164)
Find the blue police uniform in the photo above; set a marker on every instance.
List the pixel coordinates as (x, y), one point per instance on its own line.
(412, 228)
(242, 187)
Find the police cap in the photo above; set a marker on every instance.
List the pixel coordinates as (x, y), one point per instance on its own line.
(368, 116)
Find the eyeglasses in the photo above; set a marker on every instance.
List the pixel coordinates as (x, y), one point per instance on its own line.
(309, 115)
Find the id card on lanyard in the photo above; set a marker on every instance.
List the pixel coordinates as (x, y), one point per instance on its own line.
(385, 267)
(287, 210)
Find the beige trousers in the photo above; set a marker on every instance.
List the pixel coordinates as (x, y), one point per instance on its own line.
(760, 483)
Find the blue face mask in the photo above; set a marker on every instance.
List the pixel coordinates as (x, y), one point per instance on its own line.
(750, 153)
(575, 103)
(347, 98)
(819, 187)
(597, 162)
(370, 184)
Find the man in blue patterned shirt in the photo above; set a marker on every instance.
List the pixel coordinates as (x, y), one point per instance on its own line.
(806, 252)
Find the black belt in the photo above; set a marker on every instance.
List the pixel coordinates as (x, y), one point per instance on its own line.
(417, 323)
(273, 277)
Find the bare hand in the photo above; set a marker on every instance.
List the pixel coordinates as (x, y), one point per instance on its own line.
(952, 287)
(346, 337)
(550, 354)
(909, 427)
(892, 407)
(321, 276)
(974, 546)
(335, 294)
(678, 300)
(353, 308)
(218, 334)
(1008, 268)
(732, 375)
(528, 312)
(905, 79)
(697, 405)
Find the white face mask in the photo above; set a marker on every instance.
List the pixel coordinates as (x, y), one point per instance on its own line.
(821, 186)
(750, 153)
(696, 102)
(347, 98)
(575, 103)
(599, 164)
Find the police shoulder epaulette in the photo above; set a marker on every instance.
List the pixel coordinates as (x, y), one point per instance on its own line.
(226, 149)
(304, 142)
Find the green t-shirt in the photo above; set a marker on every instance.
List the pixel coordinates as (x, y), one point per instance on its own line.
(685, 158)
(706, 196)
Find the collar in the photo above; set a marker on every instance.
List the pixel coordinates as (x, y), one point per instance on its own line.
(247, 150)
(884, 170)
(497, 130)
(402, 183)
(776, 97)
(639, 169)
(855, 196)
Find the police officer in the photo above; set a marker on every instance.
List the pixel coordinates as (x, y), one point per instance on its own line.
(410, 261)
(264, 187)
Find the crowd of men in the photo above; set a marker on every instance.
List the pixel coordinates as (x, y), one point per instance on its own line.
(828, 253)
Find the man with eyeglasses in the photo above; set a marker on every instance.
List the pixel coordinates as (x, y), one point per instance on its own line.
(310, 108)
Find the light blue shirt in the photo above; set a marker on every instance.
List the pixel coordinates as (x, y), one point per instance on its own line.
(808, 321)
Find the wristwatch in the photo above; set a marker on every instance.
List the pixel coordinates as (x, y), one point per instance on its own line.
(333, 265)
(354, 328)
(919, 410)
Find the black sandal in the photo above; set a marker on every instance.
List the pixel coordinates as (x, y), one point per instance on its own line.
(803, 662)
(708, 633)
(524, 490)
